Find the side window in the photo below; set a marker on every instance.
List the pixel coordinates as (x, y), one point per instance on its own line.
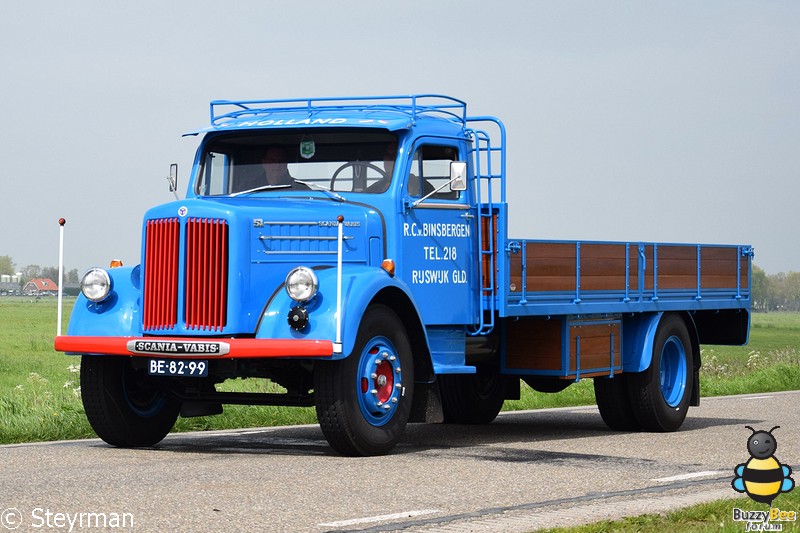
(430, 169)
(214, 179)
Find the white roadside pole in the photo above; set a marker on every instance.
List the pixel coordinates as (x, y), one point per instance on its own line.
(337, 344)
(61, 223)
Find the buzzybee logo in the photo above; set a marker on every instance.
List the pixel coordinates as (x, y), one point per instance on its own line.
(762, 477)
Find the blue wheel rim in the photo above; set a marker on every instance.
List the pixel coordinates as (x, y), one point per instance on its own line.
(674, 372)
(379, 384)
(148, 407)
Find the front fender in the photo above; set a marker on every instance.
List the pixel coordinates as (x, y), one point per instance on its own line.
(360, 284)
(117, 315)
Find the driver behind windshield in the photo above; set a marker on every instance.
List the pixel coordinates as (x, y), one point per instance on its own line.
(389, 155)
(274, 164)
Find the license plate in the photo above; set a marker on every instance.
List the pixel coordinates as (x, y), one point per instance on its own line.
(178, 367)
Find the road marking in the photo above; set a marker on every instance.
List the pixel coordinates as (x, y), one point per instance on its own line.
(692, 475)
(756, 398)
(381, 518)
(566, 515)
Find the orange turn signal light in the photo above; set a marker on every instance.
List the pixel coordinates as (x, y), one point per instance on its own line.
(115, 263)
(388, 266)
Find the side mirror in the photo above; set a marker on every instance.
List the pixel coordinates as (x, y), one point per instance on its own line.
(173, 179)
(458, 176)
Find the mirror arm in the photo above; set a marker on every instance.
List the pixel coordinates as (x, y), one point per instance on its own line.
(417, 202)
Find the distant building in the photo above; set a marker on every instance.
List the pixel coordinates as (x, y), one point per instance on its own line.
(9, 288)
(40, 286)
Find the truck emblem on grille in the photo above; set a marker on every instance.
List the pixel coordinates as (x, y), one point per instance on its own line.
(334, 223)
(182, 211)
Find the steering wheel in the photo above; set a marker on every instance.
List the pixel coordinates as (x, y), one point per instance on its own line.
(363, 165)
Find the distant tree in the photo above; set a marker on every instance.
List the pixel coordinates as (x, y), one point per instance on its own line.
(51, 273)
(7, 265)
(72, 276)
(783, 291)
(30, 272)
(760, 295)
(792, 291)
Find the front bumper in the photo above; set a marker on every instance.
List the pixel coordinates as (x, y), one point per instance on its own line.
(192, 348)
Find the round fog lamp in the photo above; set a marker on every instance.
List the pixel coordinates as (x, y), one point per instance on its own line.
(301, 284)
(96, 285)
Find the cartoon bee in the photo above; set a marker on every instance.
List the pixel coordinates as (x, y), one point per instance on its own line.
(762, 477)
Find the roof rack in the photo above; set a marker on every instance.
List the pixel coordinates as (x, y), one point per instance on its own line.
(410, 105)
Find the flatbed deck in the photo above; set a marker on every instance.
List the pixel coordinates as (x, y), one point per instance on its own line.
(581, 277)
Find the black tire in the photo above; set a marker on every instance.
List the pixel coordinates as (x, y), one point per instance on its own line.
(124, 406)
(363, 402)
(660, 396)
(614, 403)
(473, 398)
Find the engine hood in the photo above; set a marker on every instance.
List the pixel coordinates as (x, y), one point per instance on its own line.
(233, 254)
(284, 226)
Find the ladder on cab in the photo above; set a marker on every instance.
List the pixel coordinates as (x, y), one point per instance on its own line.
(489, 164)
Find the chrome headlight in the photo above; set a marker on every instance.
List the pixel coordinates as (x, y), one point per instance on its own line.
(301, 284)
(96, 285)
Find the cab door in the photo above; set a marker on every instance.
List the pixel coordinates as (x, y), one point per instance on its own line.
(438, 236)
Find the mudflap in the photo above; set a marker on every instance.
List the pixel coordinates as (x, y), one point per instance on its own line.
(427, 406)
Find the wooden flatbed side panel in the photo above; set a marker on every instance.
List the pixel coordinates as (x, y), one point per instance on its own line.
(534, 344)
(488, 236)
(515, 273)
(677, 267)
(553, 267)
(719, 268)
(603, 267)
(550, 267)
(595, 346)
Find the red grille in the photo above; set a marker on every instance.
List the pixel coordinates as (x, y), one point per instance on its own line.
(206, 273)
(161, 273)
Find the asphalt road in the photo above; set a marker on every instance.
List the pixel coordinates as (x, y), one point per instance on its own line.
(526, 470)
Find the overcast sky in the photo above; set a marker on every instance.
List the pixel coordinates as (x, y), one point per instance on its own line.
(673, 121)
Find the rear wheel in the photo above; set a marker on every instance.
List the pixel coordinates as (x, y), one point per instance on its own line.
(473, 398)
(614, 403)
(364, 401)
(660, 395)
(125, 407)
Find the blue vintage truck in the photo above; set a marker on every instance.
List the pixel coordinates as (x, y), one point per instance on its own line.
(355, 252)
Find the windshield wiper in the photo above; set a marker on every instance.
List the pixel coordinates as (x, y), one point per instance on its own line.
(262, 188)
(315, 187)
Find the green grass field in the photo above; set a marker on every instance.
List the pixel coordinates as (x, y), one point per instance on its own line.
(40, 392)
(712, 516)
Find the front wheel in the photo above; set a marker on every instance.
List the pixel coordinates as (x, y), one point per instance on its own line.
(363, 402)
(125, 407)
(660, 395)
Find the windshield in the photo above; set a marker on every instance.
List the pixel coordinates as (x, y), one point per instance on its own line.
(338, 160)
